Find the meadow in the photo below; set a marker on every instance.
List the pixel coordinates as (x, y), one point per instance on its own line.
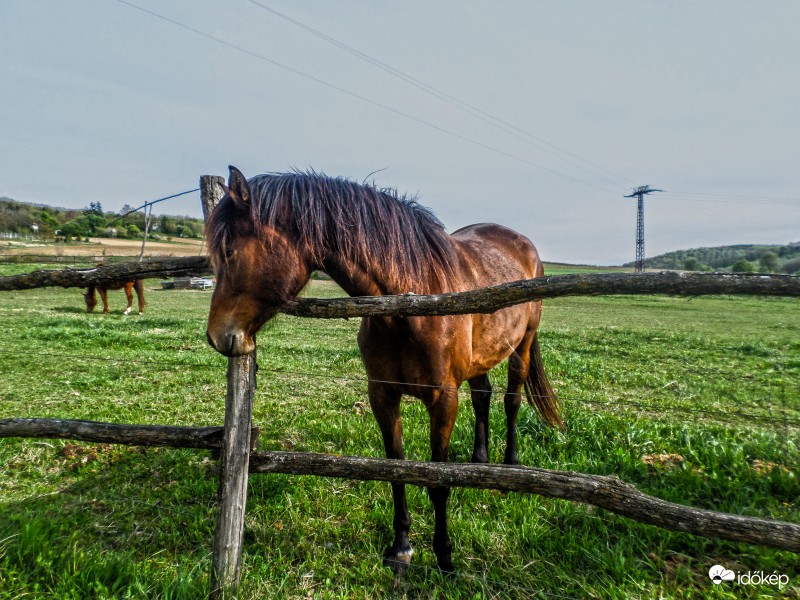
(695, 401)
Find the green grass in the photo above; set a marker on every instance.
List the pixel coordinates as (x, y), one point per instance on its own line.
(565, 269)
(714, 380)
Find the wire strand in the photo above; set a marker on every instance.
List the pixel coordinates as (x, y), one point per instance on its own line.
(608, 403)
(365, 99)
(483, 115)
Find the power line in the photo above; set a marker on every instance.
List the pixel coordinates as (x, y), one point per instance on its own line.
(497, 121)
(732, 198)
(363, 98)
(483, 115)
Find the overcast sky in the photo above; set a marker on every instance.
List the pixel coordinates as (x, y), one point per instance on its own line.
(103, 102)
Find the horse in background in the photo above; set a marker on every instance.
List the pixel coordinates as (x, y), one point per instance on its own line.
(128, 286)
(268, 234)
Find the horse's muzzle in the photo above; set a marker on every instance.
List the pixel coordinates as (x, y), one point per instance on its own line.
(231, 344)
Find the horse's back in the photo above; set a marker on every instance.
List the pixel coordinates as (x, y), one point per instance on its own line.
(492, 254)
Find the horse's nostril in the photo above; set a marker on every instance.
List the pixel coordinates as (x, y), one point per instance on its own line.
(225, 343)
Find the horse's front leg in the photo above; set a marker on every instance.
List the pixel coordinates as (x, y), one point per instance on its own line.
(385, 403)
(91, 299)
(104, 297)
(443, 408)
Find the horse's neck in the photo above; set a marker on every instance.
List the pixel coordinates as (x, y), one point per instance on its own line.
(357, 280)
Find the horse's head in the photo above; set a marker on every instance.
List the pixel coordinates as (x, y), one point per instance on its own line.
(259, 267)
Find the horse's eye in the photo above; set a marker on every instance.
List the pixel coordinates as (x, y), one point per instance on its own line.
(229, 253)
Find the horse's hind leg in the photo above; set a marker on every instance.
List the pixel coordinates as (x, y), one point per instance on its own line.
(139, 287)
(518, 367)
(128, 287)
(442, 406)
(385, 403)
(481, 388)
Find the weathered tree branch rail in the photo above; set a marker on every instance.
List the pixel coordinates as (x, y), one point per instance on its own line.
(111, 433)
(606, 492)
(490, 299)
(474, 301)
(188, 266)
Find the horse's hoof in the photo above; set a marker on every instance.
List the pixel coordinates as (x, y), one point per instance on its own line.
(398, 561)
(480, 458)
(446, 566)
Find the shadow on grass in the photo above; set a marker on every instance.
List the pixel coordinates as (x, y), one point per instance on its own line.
(70, 310)
(130, 522)
(122, 515)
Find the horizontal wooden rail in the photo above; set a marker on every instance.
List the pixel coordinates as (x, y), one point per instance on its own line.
(604, 491)
(112, 433)
(490, 299)
(187, 266)
(481, 300)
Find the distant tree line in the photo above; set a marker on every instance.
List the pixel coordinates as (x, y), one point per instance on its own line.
(744, 258)
(64, 224)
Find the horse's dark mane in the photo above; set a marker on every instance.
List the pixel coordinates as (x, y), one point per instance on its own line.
(385, 233)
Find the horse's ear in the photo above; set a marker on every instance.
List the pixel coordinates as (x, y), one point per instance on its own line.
(237, 186)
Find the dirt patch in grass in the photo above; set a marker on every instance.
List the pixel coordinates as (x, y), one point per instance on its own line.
(663, 462)
(765, 467)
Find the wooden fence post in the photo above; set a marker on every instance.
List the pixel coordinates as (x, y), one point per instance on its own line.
(211, 192)
(227, 560)
(226, 567)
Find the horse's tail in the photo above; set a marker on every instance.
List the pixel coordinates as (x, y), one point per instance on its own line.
(538, 391)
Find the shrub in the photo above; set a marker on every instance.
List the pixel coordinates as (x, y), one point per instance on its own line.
(743, 266)
(792, 266)
(768, 262)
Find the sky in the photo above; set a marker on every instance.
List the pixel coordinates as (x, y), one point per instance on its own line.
(537, 115)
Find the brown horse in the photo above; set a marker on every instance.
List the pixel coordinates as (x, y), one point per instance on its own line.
(268, 234)
(128, 286)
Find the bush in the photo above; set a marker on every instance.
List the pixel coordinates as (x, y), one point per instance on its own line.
(792, 267)
(743, 266)
(768, 262)
(691, 263)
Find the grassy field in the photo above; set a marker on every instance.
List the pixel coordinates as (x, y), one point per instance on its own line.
(696, 401)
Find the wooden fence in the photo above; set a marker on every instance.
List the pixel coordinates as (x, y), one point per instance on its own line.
(236, 441)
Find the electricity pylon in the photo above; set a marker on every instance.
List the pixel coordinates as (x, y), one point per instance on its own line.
(640, 193)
